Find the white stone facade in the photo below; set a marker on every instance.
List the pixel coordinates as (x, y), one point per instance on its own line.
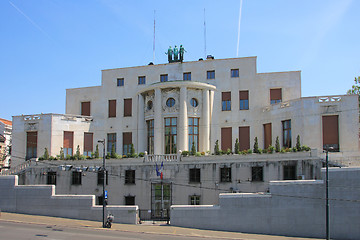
(5, 150)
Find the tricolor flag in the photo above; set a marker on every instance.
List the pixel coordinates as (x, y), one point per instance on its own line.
(159, 171)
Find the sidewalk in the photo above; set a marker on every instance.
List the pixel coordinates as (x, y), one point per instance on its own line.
(140, 228)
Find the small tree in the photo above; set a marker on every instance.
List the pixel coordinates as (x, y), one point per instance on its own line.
(256, 146)
(216, 149)
(62, 156)
(355, 89)
(298, 145)
(277, 145)
(193, 149)
(46, 154)
(77, 155)
(113, 153)
(237, 146)
(97, 155)
(132, 150)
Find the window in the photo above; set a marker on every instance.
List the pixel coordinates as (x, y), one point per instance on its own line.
(225, 174)
(289, 173)
(127, 141)
(100, 177)
(194, 175)
(88, 144)
(127, 107)
(85, 108)
(194, 200)
(187, 76)
(226, 138)
(100, 200)
(163, 78)
(257, 174)
(129, 176)
(120, 82)
(141, 80)
(150, 136)
(234, 73)
(51, 178)
(267, 135)
(170, 102)
(244, 100)
(31, 145)
(210, 74)
(226, 101)
(275, 96)
(170, 135)
(111, 141)
(330, 132)
(286, 126)
(76, 178)
(149, 105)
(193, 133)
(129, 200)
(112, 108)
(244, 138)
(68, 143)
(194, 102)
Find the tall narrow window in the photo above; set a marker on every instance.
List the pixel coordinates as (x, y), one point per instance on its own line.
(68, 143)
(286, 125)
(244, 100)
(226, 138)
(187, 76)
(330, 132)
(244, 138)
(234, 73)
(88, 144)
(141, 80)
(111, 141)
(76, 178)
(275, 96)
(150, 136)
(120, 82)
(193, 133)
(100, 178)
(163, 78)
(112, 108)
(194, 175)
(129, 176)
(127, 107)
(85, 108)
(210, 74)
(51, 178)
(225, 174)
(226, 101)
(31, 145)
(127, 141)
(170, 135)
(267, 135)
(257, 174)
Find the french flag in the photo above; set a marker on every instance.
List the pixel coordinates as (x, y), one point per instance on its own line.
(159, 170)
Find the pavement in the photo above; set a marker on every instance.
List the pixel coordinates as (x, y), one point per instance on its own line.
(147, 227)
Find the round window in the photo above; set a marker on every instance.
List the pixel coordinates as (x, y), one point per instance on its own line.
(194, 102)
(149, 105)
(170, 102)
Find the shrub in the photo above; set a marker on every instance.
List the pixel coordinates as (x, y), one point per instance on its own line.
(46, 154)
(305, 148)
(237, 146)
(228, 151)
(198, 154)
(277, 144)
(249, 151)
(216, 148)
(62, 156)
(141, 154)
(113, 153)
(193, 149)
(202, 153)
(256, 146)
(270, 149)
(96, 154)
(298, 146)
(294, 149)
(185, 153)
(132, 151)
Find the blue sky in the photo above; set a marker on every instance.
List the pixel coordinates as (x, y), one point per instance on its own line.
(48, 46)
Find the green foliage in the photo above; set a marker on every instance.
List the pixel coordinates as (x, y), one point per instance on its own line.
(305, 148)
(216, 149)
(96, 154)
(228, 151)
(298, 146)
(270, 149)
(355, 89)
(113, 153)
(193, 149)
(237, 146)
(197, 154)
(141, 154)
(185, 153)
(256, 146)
(62, 156)
(132, 151)
(249, 151)
(277, 144)
(77, 154)
(46, 154)
(294, 149)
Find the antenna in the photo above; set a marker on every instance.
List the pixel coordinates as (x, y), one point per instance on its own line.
(238, 41)
(154, 40)
(204, 35)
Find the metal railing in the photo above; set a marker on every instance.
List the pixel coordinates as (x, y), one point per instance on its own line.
(162, 158)
(19, 168)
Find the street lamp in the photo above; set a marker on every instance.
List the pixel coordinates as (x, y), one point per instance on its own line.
(327, 193)
(104, 172)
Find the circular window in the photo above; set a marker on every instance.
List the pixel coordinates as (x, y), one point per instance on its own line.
(170, 102)
(194, 102)
(149, 105)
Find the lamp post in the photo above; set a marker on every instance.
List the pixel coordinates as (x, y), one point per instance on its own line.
(327, 193)
(104, 172)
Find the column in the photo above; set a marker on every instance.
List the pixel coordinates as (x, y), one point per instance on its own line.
(182, 127)
(158, 127)
(141, 137)
(205, 122)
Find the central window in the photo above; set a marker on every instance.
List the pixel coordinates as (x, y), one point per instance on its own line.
(170, 102)
(194, 133)
(187, 76)
(150, 136)
(141, 80)
(163, 78)
(286, 133)
(170, 135)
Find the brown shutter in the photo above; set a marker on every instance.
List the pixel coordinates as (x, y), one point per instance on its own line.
(226, 138)
(127, 107)
(267, 135)
(85, 108)
(244, 136)
(88, 142)
(31, 139)
(127, 138)
(330, 131)
(112, 108)
(226, 96)
(275, 94)
(244, 95)
(68, 139)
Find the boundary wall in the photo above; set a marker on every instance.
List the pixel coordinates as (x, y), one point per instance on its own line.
(42, 200)
(292, 208)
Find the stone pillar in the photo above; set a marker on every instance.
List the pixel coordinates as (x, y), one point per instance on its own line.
(182, 129)
(205, 122)
(213, 129)
(158, 127)
(141, 137)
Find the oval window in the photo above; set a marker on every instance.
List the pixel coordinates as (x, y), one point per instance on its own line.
(149, 105)
(194, 102)
(170, 102)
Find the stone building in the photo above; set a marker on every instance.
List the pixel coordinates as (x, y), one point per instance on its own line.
(5, 143)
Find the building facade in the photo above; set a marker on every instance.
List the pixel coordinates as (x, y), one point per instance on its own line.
(5, 143)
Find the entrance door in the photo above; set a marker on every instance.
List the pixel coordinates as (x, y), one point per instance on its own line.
(160, 200)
